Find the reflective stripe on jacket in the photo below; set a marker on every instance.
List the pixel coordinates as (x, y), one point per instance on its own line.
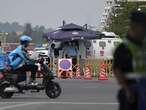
(139, 56)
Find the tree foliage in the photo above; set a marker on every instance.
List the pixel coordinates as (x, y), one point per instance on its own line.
(14, 28)
(119, 18)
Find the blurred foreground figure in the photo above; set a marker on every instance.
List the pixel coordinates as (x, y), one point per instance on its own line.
(130, 65)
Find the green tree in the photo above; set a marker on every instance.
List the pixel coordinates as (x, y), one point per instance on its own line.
(119, 18)
(12, 38)
(37, 34)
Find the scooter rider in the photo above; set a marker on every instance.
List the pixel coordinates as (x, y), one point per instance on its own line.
(20, 63)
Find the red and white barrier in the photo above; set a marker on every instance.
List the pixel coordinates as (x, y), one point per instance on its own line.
(87, 73)
(78, 72)
(102, 73)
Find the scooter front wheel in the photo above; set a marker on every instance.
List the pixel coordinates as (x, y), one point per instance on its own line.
(53, 90)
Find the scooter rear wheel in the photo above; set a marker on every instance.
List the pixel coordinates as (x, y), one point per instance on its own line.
(5, 95)
(53, 90)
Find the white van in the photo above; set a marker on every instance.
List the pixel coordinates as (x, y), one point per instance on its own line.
(104, 48)
(41, 50)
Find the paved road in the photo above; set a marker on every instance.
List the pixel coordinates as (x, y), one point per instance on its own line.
(76, 95)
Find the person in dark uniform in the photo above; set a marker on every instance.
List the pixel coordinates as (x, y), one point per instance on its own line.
(129, 65)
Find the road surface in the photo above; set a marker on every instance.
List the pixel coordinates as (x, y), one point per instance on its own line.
(76, 95)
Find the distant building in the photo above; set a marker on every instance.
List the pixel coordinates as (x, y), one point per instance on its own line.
(107, 10)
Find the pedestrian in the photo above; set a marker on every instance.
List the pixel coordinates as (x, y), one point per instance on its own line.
(72, 52)
(51, 55)
(129, 65)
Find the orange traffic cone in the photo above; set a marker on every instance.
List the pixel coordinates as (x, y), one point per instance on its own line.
(87, 73)
(78, 72)
(102, 73)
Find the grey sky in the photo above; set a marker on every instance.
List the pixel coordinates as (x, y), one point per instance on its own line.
(51, 12)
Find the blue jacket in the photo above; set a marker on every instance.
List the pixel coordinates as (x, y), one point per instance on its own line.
(17, 57)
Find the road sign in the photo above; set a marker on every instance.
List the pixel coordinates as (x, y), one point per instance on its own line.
(65, 64)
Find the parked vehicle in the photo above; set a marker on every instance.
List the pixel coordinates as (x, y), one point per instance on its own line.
(104, 47)
(41, 50)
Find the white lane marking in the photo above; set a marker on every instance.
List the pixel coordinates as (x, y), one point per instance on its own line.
(95, 87)
(15, 106)
(21, 104)
(80, 103)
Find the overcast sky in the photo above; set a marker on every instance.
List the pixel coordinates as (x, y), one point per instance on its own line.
(51, 12)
